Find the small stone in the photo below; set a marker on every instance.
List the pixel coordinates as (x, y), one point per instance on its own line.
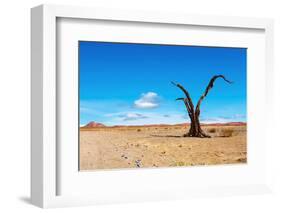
(138, 163)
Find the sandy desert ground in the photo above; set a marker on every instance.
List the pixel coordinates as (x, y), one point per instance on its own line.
(160, 146)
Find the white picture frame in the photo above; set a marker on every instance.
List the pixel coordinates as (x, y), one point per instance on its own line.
(46, 167)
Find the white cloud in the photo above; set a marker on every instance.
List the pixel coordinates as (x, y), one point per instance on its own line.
(224, 119)
(132, 116)
(139, 118)
(214, 120)
(147, 101)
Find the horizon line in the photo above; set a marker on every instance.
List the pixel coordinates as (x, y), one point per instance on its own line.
(164, 124)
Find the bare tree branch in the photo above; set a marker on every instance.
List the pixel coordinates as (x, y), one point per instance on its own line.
(190, 103)
(209, 87)
(186, 104)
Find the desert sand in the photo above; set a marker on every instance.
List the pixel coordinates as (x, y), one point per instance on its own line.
(160, 146)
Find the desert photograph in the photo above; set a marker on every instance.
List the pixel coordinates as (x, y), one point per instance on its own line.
(157, 106)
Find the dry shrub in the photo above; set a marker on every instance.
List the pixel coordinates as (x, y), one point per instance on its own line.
(242, 160)
(179, 163)
(212, 130)
(226, 132)
(138, 130)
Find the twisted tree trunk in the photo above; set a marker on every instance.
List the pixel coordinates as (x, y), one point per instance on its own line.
(195, 129)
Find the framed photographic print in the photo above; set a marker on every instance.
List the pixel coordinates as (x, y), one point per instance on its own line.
(133, 121)
(130, 106)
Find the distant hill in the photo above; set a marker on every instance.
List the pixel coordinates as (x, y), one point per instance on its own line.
(93, 124)
(226, 124)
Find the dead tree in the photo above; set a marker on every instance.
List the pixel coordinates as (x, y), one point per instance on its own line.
(195, 129)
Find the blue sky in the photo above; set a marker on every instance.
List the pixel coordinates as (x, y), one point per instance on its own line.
(130, 84)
